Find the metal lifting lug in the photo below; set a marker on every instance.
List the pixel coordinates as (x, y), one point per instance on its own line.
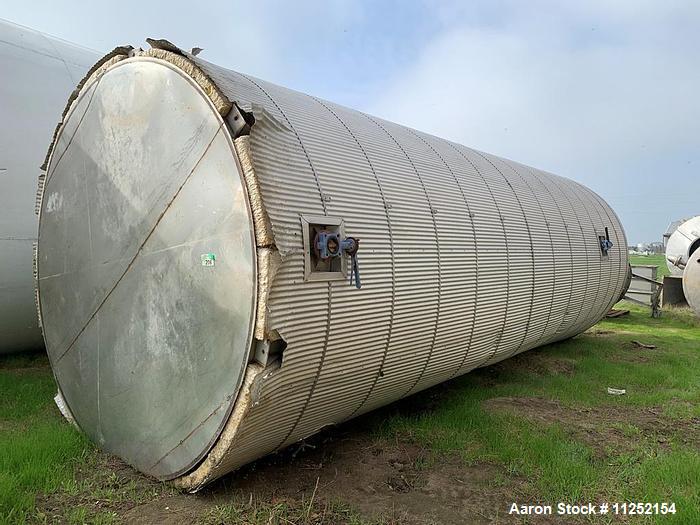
(328, 244)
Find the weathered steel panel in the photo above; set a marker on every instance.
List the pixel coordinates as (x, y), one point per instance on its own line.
(146, 266)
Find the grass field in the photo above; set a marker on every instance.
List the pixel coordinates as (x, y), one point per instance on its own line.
(539, 427)
(656, 259)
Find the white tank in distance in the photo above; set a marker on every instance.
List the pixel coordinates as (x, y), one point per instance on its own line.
(681, 240)
(37, 73)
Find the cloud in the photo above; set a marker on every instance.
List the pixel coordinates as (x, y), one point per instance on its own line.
(604, 95)
(602, 92)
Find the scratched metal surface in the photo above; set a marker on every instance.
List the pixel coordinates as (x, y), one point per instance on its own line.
(466, 259)
(147, 343)
(38, 73)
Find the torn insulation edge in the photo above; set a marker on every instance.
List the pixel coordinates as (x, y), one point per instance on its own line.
(261, 221)
(198, 478)
(64, 410)
(35, 275)
(268, 263)
(222, 104)
(268, 258)
(111, 58)
(114, 56)
(95, 73)
(39, 192)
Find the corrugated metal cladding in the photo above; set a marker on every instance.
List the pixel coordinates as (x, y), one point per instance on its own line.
(466, 259)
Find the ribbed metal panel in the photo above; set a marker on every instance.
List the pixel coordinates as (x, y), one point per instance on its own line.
(466, 259)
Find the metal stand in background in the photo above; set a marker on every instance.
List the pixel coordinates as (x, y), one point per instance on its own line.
(645, 289)
(673, 292)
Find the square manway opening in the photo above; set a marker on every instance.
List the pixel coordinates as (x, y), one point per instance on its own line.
(315, 268)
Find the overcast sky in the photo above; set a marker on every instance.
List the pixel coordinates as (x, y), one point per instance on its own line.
(606, 93)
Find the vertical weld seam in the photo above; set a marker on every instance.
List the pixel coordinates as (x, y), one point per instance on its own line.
(325, 211)
(532, 247)
(614, 223)
(532, 253)
(605, 304)
(70, 141)
(60, 57)
(621, 254)
(318, 371)
(143, 243)
(476, 258)
(505, 239)
(437, 245)
(296, 134)
(618, 280)
(98, 393)
(393, 263)
(600, 257)
(584, 319)
(571, 253)
(574, 325)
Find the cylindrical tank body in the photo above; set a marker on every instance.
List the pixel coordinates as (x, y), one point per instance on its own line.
(38, 73)
(191, 318)
(691, 281)
(681, 243)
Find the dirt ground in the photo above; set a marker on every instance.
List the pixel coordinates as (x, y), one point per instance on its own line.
(605, 429)
(384, 481)
(349, 467)
(395, 481)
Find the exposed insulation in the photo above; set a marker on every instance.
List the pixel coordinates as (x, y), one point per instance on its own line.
(246, 398)
(35, 275)
(39, 192)
(263, 228)
(111, 58)
(94, 74)
(64, 410)
(222, 104)
(268, 264)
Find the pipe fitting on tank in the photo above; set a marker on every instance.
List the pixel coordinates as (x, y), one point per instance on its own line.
(676, 260)
(605, 243)
(328, 245)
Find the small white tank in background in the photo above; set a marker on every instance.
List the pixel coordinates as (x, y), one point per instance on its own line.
(681, 243)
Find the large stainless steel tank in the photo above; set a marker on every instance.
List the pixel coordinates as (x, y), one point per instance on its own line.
(38, 72)
(194, 325)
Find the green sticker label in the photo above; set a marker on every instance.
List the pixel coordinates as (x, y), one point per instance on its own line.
(208, 259)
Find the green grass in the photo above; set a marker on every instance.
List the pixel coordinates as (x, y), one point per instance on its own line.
(264, 513)
(557, 465)
(551, 462)
(658, 259)
(38, 449)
